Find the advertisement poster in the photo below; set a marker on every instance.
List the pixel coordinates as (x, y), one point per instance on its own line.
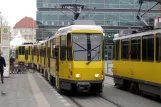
(5, 48)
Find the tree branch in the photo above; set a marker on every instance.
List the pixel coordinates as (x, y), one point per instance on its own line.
(3, 21)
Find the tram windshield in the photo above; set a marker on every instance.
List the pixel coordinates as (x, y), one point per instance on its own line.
(87, 47)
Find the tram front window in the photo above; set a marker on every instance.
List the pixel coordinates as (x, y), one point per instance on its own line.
(87, 47)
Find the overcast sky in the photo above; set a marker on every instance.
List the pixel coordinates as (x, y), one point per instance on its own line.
(15, 10)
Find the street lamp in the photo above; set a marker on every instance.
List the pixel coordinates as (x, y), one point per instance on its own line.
(1, 19)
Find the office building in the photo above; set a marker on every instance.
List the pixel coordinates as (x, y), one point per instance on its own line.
(112, 15)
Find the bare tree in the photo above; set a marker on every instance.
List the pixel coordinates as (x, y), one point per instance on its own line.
(3, 21)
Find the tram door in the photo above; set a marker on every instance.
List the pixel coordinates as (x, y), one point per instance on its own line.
(63, 62)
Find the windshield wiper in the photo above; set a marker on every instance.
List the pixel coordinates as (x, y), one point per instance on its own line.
(95, 47)
(92, 58)
(86, 49)
(78, 50)
(80, 46)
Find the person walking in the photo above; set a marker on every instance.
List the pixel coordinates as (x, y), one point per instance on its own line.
(2, 65)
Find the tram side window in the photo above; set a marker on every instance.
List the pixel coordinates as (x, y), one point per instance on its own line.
(69, 48)
(32, 53)
(148, 48)
(158, 47)
(124, 49)
(44, 51)
(62, 48)
(23, 50)
(103, 49)
(53, 48)
(116, 50)
(35, 49)
(135, 48)
(19, 50)
(26, 54)
(29, 50)
(49, 52)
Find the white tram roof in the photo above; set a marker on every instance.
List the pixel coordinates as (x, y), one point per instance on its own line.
(25, 45)
(68, 29)
(139, 34)
(79, 27)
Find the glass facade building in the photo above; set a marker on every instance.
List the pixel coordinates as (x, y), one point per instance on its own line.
(56, 18)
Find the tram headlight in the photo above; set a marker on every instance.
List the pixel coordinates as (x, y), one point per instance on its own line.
(96, 75)
(77, 75)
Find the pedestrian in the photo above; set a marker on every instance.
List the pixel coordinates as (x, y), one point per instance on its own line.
(2, 65)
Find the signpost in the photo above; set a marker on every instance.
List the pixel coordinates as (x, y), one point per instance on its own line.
(5, 48)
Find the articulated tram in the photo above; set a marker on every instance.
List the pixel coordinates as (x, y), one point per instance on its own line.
(137, 62)
(72, 59)
(23, 54)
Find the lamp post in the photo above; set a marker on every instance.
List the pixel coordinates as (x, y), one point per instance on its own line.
(1, 19)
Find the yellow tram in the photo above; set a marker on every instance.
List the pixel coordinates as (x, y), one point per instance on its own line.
(76, 59)
(136, 64)
(73, 58)
(23, 54)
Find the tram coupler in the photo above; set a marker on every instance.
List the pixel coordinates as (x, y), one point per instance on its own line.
(83, 86)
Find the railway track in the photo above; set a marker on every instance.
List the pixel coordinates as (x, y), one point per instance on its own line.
(93, 101)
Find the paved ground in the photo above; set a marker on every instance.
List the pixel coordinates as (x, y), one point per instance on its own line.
(124, 98)
(32, 90)
(29, 90)
(18, 92)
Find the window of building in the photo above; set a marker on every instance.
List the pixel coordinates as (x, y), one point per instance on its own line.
(135, 48)
(125, 49)
(110, 47)
(69, 48)
(30, 36)
(158, 47)
(63, 48)
(148, 48)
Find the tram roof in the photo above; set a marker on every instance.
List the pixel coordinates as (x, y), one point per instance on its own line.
(25, 45)
(68, 29)
(139, 34)
(79, 27)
